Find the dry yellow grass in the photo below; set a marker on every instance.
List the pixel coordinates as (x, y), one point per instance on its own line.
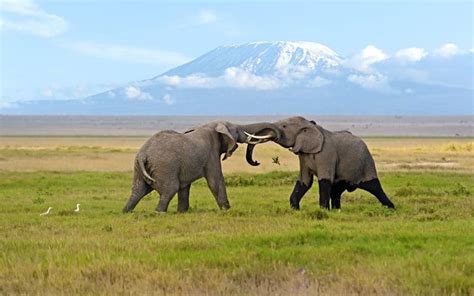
(117, 153)
(422, 153)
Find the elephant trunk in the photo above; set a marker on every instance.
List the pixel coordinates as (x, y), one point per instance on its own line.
(258, 133)
(249, 156)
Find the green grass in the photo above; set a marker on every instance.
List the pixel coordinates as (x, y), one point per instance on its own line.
(258, 247)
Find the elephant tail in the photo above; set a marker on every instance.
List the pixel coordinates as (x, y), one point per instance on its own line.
(140, 160)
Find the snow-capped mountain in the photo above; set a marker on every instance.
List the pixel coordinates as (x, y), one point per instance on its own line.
(261, 58)
(258, 65)
(290, 77)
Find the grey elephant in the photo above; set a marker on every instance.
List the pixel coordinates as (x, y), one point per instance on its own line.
(340, 160)
(169, 161)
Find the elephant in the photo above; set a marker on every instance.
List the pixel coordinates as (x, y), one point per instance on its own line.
(169, 161)
(340, 160)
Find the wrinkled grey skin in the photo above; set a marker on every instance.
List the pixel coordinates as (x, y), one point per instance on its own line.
(340, 160)
(170, 161)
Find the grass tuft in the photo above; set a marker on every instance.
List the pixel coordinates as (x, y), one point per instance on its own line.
(460, 190)
(457, 190)
(38, 200)
(318, 214)
(107, 228)
(457, 147)
(66, 213)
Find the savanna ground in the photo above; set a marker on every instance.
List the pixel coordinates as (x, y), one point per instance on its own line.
(258, 247)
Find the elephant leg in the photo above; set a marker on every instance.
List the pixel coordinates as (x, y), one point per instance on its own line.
(167, 192)
(139, 189)
(373, 186)
(216, 184)
(336, 191)
(298, 193)
(165, 200)
(324, 193)
(183, 199)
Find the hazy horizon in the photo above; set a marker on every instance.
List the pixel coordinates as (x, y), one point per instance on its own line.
(86, 125)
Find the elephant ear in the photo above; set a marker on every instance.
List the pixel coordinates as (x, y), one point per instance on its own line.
(228, 139)
(309, 140)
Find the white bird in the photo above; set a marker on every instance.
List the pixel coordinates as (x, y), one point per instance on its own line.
(47, 212)
(77, 208)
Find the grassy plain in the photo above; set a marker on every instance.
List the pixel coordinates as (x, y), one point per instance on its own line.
(259, 247)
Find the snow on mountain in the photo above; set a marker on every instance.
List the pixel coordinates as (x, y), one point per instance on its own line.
(257, 65)
(261, 58)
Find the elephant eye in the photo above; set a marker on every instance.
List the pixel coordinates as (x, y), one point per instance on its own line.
(284, 126)
(304, 130)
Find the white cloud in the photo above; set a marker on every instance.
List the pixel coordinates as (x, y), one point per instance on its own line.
(191, 81)
(367, 57)
(242, 79)
(56, 91)
(129, 54)
(168, 99)
(60, 92)
(447, 50)
(412, 54)
(290, 72)
(132, 92)
(207, 17)
(232, 77)
(25, 16)
(135, 93)
(7, 105)
(48, 93)
(319, 81)
(374, 81)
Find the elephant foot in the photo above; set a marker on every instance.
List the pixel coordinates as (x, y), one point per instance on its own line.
(183, 208)
(298, 192)
(373, 186)
(295, 206)
(126, 210)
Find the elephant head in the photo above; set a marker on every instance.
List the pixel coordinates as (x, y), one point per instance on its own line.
(256, 133)
(296, 133)
(251, 134)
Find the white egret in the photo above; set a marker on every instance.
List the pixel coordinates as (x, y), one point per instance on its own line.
(47, 212)
(77, 208)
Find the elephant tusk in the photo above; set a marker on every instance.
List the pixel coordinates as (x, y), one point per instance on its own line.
(253, 139)
(258, 137)
(249, 141)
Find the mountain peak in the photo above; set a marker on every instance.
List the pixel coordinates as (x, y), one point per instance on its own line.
(261, 58)
(307, 45)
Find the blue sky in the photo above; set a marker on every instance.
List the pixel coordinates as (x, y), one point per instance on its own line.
(78, 48)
